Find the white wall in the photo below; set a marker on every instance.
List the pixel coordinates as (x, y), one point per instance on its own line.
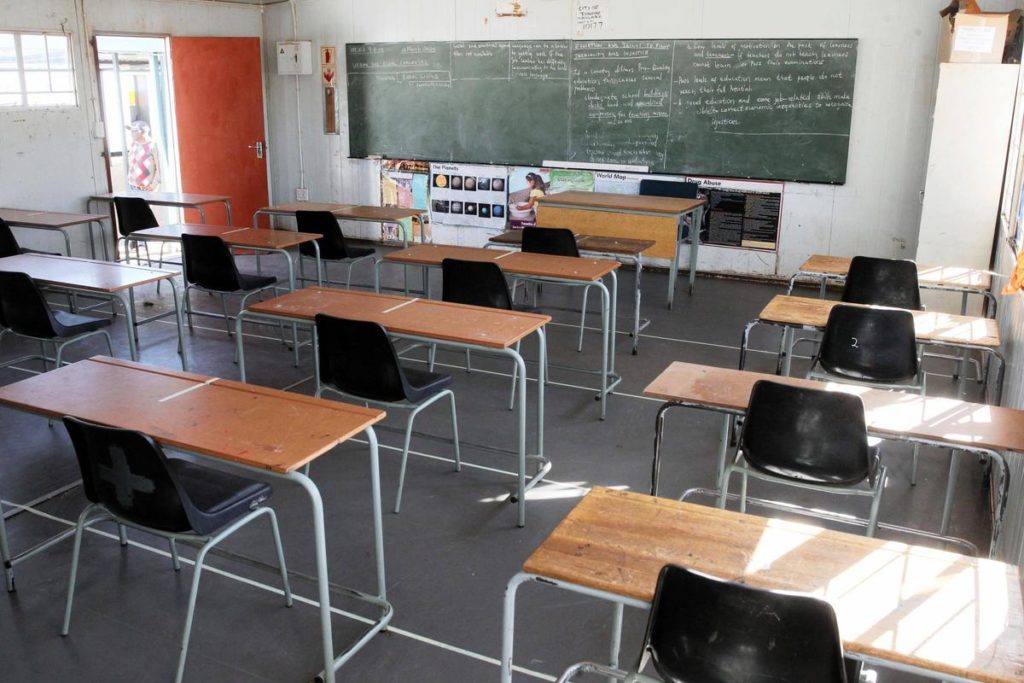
(51, 158)
(876, 212)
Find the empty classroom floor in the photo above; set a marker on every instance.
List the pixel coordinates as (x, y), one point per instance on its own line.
(454, 546)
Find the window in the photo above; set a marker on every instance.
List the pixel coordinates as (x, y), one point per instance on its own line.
(36, 70)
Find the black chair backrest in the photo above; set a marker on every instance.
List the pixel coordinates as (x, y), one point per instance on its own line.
(478, 283)
(555, 241)
(133, 213)
(358, 358)
(869, 344)
(8, 245)
(332, 244)
(669, 188)
(882, 282)
(23, 308)
(127, 472)
(806, 434)
(209, 263)
(704, 630)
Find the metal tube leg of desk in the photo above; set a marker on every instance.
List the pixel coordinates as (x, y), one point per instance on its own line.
(659, 427)
(508, 623)
(786, 356)
(614, 318)
(92, 240)
(745, 341)
(179, 318)
(202, 213)
(542, 379)
(227, 208)
(637, 259)
(673, 269)
(239, 347)
(605, 326)
(378, 517)
(291, 288)
(67, 242)
(129, 320)
(695, 223)
(947, 507)
(521, 459)
(723, 448)
(323, 584)
(616, 644)
(5, 554)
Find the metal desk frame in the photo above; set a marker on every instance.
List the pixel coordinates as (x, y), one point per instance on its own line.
(63, 231)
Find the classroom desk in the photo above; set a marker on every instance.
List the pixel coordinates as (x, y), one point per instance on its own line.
(966, 281)
(562, 270)
(897, 416)
(105, 279)
(430, 322)
(940, 329)
(594, 245)
(251, 427)
(608, 214)
(933, 613)
(179, 200)
(350, 212)
(275, 241)
(50, 220)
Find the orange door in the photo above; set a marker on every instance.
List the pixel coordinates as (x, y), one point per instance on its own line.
(218, 106)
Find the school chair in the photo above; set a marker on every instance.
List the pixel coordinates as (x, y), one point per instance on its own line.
(356, 359)
(24, 312)
(129, 480)
(133, 214)
(478, 283)
(882, 282)
(557, 242)
(705, 629)
(807, 438)
(210, 267)
(333, 245)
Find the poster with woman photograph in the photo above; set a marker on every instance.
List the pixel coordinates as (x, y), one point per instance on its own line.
(403, 183)
(525, 187)
(464, 194)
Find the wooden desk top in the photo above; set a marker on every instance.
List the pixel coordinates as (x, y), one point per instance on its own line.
(265, 428)
(236, 237)
(356, 212)
(888, 413)
(945, 276)
(937, 610)
(28, 218)
(607, 245)
(513, 262)
(620, 202)
(79, 273)
(184, 199)
(488, 327)
(943, 328)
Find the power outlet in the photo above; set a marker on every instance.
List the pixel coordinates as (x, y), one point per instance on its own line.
(302, 194)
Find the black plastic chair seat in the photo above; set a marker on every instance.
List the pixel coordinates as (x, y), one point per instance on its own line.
(219, 497)
(249, 282)
(422, 384)
(359, 252)
(69, 324)
(876, 345)
(822, 475)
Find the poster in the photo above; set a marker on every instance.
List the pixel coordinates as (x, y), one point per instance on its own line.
(742, 213)
(464, 194)
(571, 180)
(404, 184)
(525, 185)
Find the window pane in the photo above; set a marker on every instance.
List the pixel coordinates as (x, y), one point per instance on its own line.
(33, 51)
(8, 58)
(58, 49)
(37, 81)
(40, 99)
(10, 100)
(60, 81)
(9, 82)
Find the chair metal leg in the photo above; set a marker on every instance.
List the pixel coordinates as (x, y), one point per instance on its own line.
(188, 307)
(175, 560)
(227, 321)
(190, 613)
(76, 551)
(122, 535)
(405, 459)
(876, 501)
(469, 368)
(724, 492)
(913, 466)
(288, 601)
(455, 432)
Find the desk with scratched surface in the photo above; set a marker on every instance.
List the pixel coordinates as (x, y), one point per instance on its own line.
(934, 613)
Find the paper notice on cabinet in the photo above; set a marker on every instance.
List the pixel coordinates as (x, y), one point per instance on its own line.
(975, 39)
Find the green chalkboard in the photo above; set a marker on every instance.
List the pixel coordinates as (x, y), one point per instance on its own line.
(774, 109)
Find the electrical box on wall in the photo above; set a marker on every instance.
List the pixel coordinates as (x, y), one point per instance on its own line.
(295, 58)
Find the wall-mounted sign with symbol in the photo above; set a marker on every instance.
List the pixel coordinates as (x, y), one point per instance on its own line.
(329, 55)
(328, 76)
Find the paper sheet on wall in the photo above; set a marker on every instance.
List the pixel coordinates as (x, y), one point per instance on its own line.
(975, 39)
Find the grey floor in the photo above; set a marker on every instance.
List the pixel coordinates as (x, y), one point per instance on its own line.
(451, 550)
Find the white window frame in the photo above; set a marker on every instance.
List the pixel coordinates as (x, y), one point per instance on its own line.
(20, 70)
